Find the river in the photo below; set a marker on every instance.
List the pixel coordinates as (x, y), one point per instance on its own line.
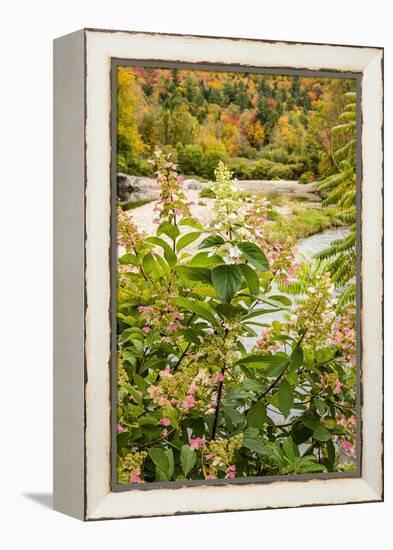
(307, 248)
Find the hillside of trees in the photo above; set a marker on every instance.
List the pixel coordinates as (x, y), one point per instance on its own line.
(261, 126)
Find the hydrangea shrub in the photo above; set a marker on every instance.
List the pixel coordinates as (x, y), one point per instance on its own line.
(206, 388)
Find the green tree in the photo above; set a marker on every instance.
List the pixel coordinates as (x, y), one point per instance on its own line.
(182, 126)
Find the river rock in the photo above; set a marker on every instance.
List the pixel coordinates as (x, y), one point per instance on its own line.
(192, 184)
(141, 188)
(286, 187)
(136, 188)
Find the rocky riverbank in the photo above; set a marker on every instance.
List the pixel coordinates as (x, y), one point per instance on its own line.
(135, 189)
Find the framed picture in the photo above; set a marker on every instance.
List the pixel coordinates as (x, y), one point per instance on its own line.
(218, 274)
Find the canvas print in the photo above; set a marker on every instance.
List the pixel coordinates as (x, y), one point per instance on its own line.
(236, 319)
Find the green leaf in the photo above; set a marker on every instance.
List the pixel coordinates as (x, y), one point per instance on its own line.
(168, 229)
(320, 433)
(300, 433)
(253, 254)
(161, 460)
(276, 369)
(190, 222)
(165, 265)
(133, 392)
(257, 313)
(288, 448)
(211, 240)
(202, 309)
(171, 460)
(205, 259)
(169, 255)
(148, 263)
(253, 442)
(129, 259)
(320, 405)
(161, 475)
(251, 278)
(274, 303)
(140, 383)
(296, 358)
(285, 397)
(190, 336)
(195, 273)
(187, 459)
(229, 311)
(187, 239)
(252, 385)
(234, 416)
(331, 452)
(256, 416)
(269, 358)
(226, 280)
(283, 299)
(122, 439)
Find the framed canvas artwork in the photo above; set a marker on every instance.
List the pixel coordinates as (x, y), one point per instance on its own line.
(218, 274)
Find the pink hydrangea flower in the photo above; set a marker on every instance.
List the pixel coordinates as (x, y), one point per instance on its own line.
(153, 391)
(163, 402)
(173, 326)
(189, 402)
(146, 329)
(135, 476)
(145, 309)
(196, 443)
(164, 373)
(218, 377)
(165, 422)
(192, 389)
(231, 471)
(348, 448)
(119, 428)
(337, 387)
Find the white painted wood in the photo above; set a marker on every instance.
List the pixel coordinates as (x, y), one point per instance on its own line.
(68, 400)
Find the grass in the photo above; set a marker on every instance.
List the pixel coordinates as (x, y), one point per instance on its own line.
(207, 193)
(133, 204)
(301, 223)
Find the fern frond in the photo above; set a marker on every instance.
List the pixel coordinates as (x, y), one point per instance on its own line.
(350, 96)
(334, 180)
(341, 129)
(347, 297)
(347, 116)
(349, 199)
(347, 216)
(350, 107)
(337, 194)
(346, 150)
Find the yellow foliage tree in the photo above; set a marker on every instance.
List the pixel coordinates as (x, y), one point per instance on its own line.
(129, 141)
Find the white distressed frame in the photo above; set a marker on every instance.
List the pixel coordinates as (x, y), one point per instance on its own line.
(100, 502)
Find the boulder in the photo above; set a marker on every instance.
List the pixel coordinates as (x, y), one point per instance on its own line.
(193, 184)
(135, 188)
